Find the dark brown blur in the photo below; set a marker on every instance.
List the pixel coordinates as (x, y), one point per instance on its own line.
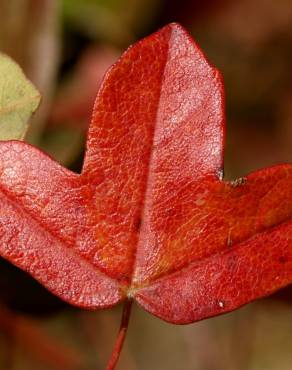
(65, 47)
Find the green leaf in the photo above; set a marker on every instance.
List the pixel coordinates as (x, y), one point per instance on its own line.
(18, 100)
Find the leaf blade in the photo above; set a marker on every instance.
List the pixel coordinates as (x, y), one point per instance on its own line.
(224, 282)
(40, 227)
(149, 217)
(18, 100)
(134, 122)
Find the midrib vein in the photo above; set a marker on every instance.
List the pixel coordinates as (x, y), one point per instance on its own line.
(202, 260)
(147, 194)
(22, 209)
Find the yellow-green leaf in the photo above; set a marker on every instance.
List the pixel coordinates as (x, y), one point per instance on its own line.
(18, 100)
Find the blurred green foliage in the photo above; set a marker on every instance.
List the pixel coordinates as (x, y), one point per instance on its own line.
(114, 21)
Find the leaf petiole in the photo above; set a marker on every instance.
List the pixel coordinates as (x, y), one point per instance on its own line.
(121, 335)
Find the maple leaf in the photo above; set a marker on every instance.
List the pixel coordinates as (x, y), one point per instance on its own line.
(150, 217)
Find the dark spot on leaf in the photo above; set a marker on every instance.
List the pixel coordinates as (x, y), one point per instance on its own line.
(138, 224)
(283, 259)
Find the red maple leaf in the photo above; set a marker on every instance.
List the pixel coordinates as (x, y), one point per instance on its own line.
(150, 217)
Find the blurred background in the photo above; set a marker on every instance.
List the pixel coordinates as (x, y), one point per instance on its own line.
(65, 47)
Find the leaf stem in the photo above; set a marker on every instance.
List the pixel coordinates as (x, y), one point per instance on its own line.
(121, 335)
